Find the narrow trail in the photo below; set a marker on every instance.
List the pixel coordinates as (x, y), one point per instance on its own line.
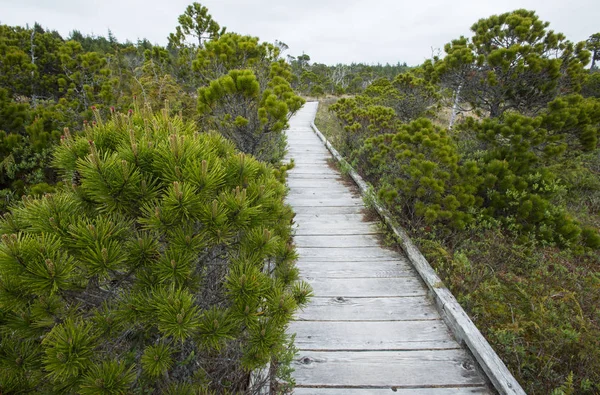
(371, 326)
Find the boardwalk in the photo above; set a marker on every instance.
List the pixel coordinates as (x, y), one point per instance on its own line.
(371, 327)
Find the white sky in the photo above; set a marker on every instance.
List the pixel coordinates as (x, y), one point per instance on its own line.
(329, 31)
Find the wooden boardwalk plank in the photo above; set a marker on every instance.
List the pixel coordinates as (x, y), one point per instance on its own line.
(386, 368)
(376, 269)
(312, 168)
(331, 216)
(366, 287)
(342, 228)
(392, 391)
(297, 183)
(344, 336)
(334, 241)
(327, 211)
(347, 254)
(334, 190)
(304, 201)
(310, 176)
(369, 309)
(300, 176)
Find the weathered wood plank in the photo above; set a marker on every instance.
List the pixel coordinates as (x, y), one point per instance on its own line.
(298, 154)
(331, 215)
(337, 221)
(366, 287)
(322, 211)
(342, 228)
(311, 169)
(317, 217)
(317, 168)
(321, 183)
(392, 335)
(312, 201)
(369, 309)
(386, 368)
(335, 241)
(301, 146)
(305, 159)
(302, 134)
(375, 269)
(312, 159)
(298, 135)
(315, 172)
(309, 176)
(346, 254)
(307, 144)
(333, 192)
(394, 391)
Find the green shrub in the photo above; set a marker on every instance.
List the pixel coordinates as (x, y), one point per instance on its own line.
(419, 174)
(361, 119)
(254, 118)
(591, 87)
(515, 154)
(166, 264)
(409, 96)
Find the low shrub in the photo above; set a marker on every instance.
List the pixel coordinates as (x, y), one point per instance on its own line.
(163, 266)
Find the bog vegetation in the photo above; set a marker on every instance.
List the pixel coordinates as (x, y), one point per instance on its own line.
(489, 155)
(146, 246)
(151, 249)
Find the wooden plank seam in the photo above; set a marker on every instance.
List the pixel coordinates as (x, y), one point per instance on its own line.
(453, 314)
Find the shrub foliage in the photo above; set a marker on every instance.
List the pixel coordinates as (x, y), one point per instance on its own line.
(504, 205)
(164, 266)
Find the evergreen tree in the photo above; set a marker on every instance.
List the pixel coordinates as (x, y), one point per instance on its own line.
(165, 266)
(593, 45)
(198, 23)
(512, 62)
(253, 118)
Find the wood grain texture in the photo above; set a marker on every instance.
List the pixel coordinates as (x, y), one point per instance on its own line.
(336, 241)
(291, 175)
(334, 191)
(346, 254)
(366, 287)
(330, 336)
(326, 211)
(345, 269)
(332, 215)
(369, 309)
(392, 391)
(317, 201)
(299, 183)
(386, 368)
(306, 228)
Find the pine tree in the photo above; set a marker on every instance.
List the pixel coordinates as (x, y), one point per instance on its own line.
(251, 116)
(163, 265)
(512, 62)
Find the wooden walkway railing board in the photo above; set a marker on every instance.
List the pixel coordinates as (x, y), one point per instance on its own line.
(371, 326)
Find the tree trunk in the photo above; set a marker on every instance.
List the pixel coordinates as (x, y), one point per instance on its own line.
(495, 110)
(455, 107)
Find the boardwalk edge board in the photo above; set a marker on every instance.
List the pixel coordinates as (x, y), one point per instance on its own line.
(453, 314)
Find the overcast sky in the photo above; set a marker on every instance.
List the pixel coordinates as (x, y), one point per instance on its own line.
(329, 31)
